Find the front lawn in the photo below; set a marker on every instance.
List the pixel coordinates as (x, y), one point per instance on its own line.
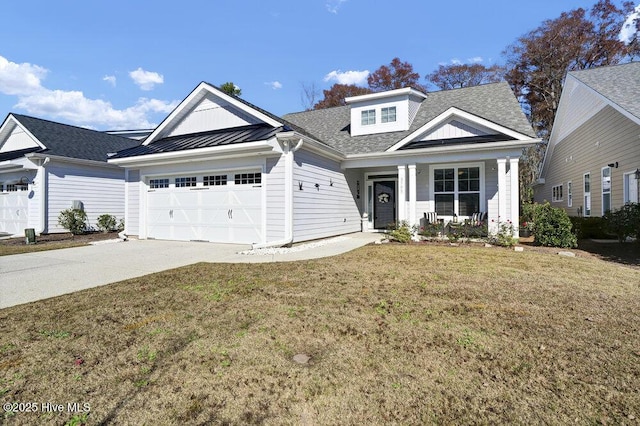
(394, 334)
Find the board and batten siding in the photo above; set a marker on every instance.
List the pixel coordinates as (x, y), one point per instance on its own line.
(132, 219)
(100, 189)
(275, 182)
(608, 137)
(325, 210)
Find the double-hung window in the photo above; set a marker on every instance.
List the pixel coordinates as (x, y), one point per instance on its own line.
(368, 117)
(388, 115)
(606, 189)
(587, 194)
(456, 190)
(556, 193)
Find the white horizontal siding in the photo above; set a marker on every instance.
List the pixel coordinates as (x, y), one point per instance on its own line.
(132, 219)
(17, 140)
(275, 182)
(325, 210)
(454, 129)
(100, 189)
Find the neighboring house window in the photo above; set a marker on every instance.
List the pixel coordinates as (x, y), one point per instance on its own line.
(182, 182)
(556, 193)
(247, 178)
(215, 180)
(368, 117)
(606, 189)
(630, 188)
(388, 115)
(461, 184)
(587, 194)
(158, 183)
(569, 194)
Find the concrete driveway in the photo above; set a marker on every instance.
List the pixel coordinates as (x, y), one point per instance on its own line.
(35, 276)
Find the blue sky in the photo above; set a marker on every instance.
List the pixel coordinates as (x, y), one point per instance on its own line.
(126, 64)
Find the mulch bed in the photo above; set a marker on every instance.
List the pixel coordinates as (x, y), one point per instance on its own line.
(45, 239)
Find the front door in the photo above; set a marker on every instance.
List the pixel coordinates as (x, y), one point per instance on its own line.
(384, 204)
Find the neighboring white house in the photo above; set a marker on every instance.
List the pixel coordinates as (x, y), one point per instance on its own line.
(46, 167)
(594, 147)
(220, 169)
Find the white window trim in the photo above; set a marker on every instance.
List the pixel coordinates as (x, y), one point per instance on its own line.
(456, 209)
(603, 211)
(388, 108)
(368, 112)
(626, 177)
(569, 194)
(554, 197)
(586, 194)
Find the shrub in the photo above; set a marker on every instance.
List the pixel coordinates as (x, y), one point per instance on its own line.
(504, 237)
(120, 225)
(106, 222)
(589, 227)
(75, 220)
(402, 233)
(623, 222)
(552, 227)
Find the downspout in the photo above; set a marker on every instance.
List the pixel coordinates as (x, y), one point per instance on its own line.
(42, 187)
(288, 197)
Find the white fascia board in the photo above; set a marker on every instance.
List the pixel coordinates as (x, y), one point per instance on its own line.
(465, 152)
(227, 151)
(15, 122)
(61, 159)
(312, 144)
(455, 112)
(199, 93)
(8, 166)
(381, 95)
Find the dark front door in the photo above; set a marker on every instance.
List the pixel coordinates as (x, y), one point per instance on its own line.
(384, 204)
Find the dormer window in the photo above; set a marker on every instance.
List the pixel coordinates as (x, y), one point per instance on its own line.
(368, 117)
(388, 115)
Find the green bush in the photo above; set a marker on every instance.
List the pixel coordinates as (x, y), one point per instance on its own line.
(106, 222)
(75, 220)
(552, 227)
(402, 233)
(589, 227)
(623, 222)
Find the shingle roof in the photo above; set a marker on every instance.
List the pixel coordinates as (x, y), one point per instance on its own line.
(251, 133)
(494, 102)
(74, 142)
(618, 83)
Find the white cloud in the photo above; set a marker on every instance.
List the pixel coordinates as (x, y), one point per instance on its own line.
(630, 27)
(348, 77)
(111, 79)
(456, 61)
(146, 80)
(475, 60)
(17, 79)
(25, 82)
(334, 5)
(275, 85)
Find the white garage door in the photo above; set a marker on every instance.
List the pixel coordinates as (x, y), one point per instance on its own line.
(13, 209)
(219, 207)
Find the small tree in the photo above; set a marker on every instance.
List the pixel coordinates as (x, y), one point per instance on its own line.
(75, 220)
(230, 89)
(106, 222)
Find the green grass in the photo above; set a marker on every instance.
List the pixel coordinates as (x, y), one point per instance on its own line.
(417, 334)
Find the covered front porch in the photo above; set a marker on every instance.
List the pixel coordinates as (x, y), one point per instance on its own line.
(447, 191)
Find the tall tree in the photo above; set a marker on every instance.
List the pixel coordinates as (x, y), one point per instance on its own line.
(336, 94)
(464, 75)
(309, 94)
(230, 89)
(395, 76)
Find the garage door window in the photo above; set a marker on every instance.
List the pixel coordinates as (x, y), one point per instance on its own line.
(215, 180)
(247, 178)
(158, 183)
(183, 182)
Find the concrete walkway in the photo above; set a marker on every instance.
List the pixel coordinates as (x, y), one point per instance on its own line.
(35, 276)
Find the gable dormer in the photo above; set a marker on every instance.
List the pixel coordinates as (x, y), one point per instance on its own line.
(384, 112)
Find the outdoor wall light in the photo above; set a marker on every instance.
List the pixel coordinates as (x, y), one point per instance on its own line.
(317, 186)
(613, 164)
(300, 185)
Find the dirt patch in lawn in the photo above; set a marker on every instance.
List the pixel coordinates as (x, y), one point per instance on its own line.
(386, 334)
(52, 242)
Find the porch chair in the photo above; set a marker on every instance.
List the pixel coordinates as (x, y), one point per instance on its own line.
(477, 218)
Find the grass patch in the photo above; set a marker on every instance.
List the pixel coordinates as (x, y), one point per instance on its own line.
(394, 334)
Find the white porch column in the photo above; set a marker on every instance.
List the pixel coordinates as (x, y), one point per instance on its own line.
(412, 194)
(515, 196)
(402, 193)
(502, 193)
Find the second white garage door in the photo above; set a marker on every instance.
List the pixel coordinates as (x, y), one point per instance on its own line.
(221, 207)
